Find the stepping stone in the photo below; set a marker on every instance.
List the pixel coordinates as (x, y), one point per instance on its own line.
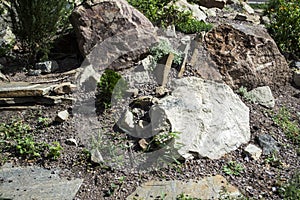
(23, 89)
(21, 183)
(214, 187)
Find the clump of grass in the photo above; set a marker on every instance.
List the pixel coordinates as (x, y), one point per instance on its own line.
(289, 127)
(291, 190)
(233, 168)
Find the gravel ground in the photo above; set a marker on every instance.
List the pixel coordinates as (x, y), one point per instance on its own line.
(259, 179)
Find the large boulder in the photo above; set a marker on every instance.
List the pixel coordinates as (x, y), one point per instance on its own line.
(99, 20)
(246, 55)
(210, 118)
(194, 8)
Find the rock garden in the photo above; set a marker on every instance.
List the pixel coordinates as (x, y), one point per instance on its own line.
(158, 99)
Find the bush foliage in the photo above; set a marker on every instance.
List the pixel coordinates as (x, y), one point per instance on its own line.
(111, 87)
(164, 13)
(285, 25)
(35, 24)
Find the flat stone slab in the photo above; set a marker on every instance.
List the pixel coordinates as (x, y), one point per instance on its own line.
(35, 183)
(214, 187)
(23, 89)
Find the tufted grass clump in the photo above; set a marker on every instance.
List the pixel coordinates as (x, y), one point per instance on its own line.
(289, 127)
(285, 25)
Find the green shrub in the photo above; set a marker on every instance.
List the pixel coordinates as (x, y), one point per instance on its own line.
(291, 190)
(192, 25)
(111, 86)
(164, 13)
(35, 24)
(162, 49)
(285, 25)
(17, 138)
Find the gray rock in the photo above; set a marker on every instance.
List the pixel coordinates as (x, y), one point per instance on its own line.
(161, 71)
(34, 72)
(251, 53)
(47, 66)
(71, 141)
(266, 20)
(214, 187)
(87, 78)
(171, 32)
(64, 88)
(296, 64)
(254, 151)
(248, 8)
(255, 19)
(133, 92)
(36, 183)
(197, 13)
(210, 12)
(127, 123)
(96, 156)
(268, 144)
(62, 116)
(3, 77)
(44, 100)
(24, 89)
(263, 96)
(141, 74)
(96, 21)
(296, 78)
(194, 110)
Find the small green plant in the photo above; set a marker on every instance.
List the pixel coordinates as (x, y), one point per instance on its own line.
(273, 160)
(114, 186)
(285, 24)
(43, 121)
(16, 128)
(233, 168)
(183, 196)
(17, 136)
(54, 151)
(191, 25)
(289, 127)
(291, 190)
(244, 93)
(27, 147)
(162, 49)
(162, 139)
(111, 86)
